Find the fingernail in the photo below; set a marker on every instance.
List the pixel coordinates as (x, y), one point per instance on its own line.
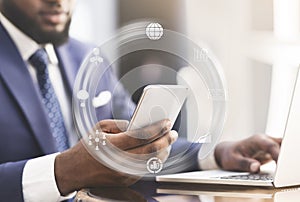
(268, 156)
(174, 134)
(254, 167)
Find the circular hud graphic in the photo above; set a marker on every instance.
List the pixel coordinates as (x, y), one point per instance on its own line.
(89, 98)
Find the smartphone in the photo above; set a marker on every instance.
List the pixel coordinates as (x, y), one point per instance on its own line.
(158, 102)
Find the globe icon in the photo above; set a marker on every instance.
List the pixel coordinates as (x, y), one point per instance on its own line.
(154, 31)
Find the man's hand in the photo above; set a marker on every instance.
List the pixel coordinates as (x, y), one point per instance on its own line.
(248, 154)
(76, 168)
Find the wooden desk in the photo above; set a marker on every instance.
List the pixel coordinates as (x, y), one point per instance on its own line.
(168, 192)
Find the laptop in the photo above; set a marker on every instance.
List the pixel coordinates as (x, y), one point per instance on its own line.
(225, 191)
(286, 172)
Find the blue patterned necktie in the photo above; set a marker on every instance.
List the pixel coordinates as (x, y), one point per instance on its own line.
(39, 60)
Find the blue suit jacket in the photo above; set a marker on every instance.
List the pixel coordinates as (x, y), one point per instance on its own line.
(24, 128)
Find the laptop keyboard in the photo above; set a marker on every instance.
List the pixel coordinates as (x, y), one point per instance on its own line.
(260, 177)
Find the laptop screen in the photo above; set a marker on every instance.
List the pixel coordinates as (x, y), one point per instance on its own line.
(288, 165)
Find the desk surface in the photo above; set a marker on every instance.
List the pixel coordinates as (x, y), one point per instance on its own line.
(167, 192)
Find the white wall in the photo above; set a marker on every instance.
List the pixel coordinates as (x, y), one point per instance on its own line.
(225, 26)
(258, 44)
(94, 21)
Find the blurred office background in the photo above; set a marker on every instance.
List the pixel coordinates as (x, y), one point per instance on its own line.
(256, 41)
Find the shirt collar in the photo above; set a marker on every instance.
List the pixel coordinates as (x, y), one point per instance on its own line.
(25, 44)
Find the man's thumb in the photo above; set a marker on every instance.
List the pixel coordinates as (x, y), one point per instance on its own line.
(249, 164)
(254, 166)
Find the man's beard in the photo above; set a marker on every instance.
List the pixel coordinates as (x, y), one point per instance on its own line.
(56, 38)
(33, 29)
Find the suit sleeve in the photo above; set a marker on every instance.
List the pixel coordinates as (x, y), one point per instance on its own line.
(186, 155)
(11, 181)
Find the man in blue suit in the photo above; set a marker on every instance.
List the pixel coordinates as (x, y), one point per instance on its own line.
(26, 127)
(30, 167)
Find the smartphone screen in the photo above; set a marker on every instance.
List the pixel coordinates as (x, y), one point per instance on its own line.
(158, 102)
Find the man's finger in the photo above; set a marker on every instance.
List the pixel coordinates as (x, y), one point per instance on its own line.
(164, 154)
(158, 145)
(136, 138)
(273, 150)
(270, 145)
(278, 140)
(263, 157)
(241, 163)
(160, 127)
(112, 126)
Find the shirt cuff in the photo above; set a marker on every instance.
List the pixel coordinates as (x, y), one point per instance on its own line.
(209, 163)
(39, 182)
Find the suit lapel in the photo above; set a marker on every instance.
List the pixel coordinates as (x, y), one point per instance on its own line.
(18, 80)
(68, 66)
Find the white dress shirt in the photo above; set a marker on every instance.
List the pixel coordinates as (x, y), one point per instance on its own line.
(209, 163)
(38, 175)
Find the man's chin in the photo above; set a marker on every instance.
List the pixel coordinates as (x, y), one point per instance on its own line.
(53, 38)
(56, 37)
